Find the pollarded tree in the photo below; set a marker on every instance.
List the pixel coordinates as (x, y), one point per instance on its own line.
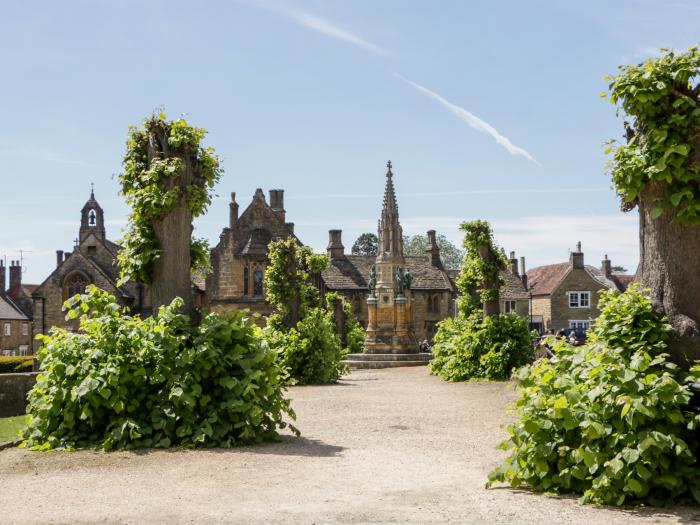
(658, 171)
(167, 180)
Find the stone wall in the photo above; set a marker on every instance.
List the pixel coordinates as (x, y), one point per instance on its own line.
(542, 305)
(576, 280)
(11, 343)
(13, 393)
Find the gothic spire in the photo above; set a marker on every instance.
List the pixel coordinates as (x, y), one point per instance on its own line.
(390, 207)
(390, 233)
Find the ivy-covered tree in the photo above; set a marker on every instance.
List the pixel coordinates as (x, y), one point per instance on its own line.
(479, 279)
(167, 179)
(657, 170)
(450, 255)
(365, 244)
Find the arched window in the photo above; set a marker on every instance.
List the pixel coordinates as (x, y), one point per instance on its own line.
(258, 282)
(246, 280)
(92, 218)
(75, 284)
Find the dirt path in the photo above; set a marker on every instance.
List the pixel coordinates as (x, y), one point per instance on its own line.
(392, 446)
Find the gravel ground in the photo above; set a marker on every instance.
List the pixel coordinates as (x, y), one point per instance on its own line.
(389, 446)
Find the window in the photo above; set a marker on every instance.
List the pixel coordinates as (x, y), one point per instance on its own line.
(246, 279)
(509, 306)
(579, 299)
(258, 282)
(75, 284)
(23, 349)
(92, 250)
(92, 218)
(580, 325)
(433, 304)
(25, 328)
(8, 329)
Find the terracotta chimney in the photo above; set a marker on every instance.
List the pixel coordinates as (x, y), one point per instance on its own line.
(335, 248)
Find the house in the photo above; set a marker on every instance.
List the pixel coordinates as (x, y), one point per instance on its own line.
(15, 313)
(92, 261)
(565, 295)
(514, 295)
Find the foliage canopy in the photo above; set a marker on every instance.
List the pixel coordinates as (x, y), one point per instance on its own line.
(450, 255)
(365, 244)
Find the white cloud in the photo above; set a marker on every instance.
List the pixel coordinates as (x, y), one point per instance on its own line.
(471, 119)
(320, 25)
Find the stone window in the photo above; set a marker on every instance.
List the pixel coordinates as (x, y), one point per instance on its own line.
(92, 218)
(579, 299)
(509, 306)
(258, 282)
(8, 329)
(579, 325)
(25, 328)
(75, 284)
(246, 280)
(433, 304)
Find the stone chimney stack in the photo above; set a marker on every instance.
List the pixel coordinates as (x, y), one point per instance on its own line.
(290, 227)
(65, 256)
(233, 211)
(335, 248)
(523, 273)
(277, 202)
(59, 258)
(513, 264)
(15, 281)
(3, 279)
(433, 250)
(576, 258)
(606, 267)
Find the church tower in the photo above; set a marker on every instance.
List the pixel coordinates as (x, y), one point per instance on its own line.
(92, 219)
(389, 327)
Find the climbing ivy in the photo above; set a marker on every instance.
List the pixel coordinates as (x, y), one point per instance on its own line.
(151, 190)
(475, 270)
(665, 110)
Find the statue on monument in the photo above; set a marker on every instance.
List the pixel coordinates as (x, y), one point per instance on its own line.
(372, 284)
(399, 282)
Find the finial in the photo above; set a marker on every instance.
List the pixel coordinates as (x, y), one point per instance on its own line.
(92, 190)
(388, 165)
(578, 246)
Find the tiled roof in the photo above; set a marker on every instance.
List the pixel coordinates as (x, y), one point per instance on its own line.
(352, 273)
(622, 281)
(543, 279)
(513, 289)
(8, 310)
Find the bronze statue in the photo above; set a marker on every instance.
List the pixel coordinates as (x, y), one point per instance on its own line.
(399, 282)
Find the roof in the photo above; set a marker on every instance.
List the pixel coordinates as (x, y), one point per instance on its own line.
(352, 273)
(514, 288)
(544, 279)
(9, 310)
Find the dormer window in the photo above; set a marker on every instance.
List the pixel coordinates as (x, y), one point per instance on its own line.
(92, 218)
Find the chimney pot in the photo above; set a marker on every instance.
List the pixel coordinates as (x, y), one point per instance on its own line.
(523, 273)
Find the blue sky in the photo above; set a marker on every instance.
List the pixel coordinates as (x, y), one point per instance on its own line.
(487, 110)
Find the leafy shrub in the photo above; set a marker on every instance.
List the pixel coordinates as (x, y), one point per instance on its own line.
(15, 364)
(474, 347)
(354, 333)
(311, 352)
(126, 382)
(609, 421)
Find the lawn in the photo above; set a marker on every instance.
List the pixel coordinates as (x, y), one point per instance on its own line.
(9, 427)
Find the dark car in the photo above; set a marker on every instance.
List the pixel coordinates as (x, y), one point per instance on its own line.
(580, 334)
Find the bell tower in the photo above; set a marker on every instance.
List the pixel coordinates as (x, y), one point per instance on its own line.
(92, 220)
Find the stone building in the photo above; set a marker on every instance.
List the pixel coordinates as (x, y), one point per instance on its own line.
(429, 298)
(15, 313)
(92, 261)
(239, 259)
(565, 295)
(514, 295)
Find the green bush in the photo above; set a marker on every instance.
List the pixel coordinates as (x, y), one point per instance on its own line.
(15, 364)
(311, 352)
(126, 382)
(474, 347)
(610, 420)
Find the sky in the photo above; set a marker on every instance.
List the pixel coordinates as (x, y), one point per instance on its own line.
(487, 110)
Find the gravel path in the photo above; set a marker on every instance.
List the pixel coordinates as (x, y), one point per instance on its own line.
(391, 446)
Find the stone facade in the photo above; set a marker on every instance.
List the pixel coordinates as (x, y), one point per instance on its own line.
(241, 256)
(566, 295)
(15, 313)
(92, 261)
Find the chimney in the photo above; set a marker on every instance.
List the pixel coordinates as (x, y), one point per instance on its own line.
(433, 250)
(233, 211)
(513, 264)
(335, 248)
(576, 258)
(606, 267)
(290, 227)
(277, 202)
(523, 273)
(2, 277)
(59, 258)
(65, 256)
(15, 281)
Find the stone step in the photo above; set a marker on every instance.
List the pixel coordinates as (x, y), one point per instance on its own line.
(364, 365)
(423, 357)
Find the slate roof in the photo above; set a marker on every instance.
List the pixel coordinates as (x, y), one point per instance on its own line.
(352, 273)
(544, 279)
(513, 289)
(8, 310)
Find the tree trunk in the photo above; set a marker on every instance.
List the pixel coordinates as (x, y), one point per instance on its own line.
(670, 267)
(492, 307)
(173, 231)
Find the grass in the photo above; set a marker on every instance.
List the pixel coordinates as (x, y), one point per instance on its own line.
(10, 427)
